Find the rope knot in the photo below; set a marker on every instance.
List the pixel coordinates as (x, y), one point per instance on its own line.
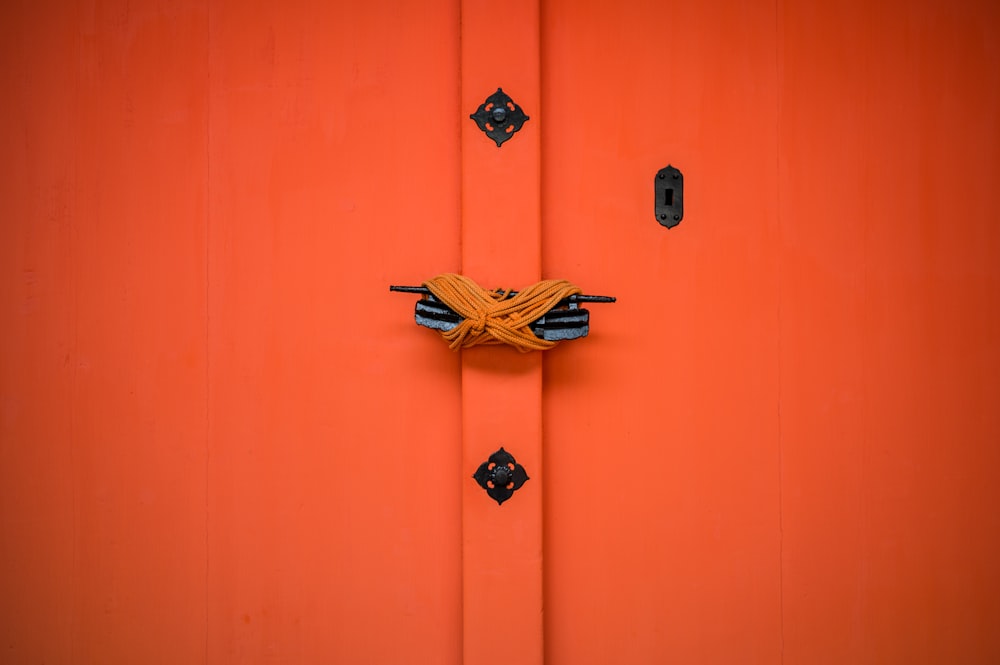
(477, 323)
(494, 317)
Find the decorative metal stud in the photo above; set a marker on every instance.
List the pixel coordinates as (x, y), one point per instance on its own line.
(500, 476)
(499, 117)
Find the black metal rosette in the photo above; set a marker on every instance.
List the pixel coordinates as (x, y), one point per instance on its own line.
(500, 476)
(499, 117)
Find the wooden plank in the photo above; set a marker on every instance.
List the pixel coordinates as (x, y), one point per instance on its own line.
(103, 389)
(37, 359)
(334, 508)
(662, 510)
(890, 319)
(501, 388)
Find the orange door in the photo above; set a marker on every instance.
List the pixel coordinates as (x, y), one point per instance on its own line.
(779, 445)
(222, 440)
(663, 438)
(332, 465)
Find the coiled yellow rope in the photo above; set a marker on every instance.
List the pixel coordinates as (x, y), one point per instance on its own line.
(491, 317)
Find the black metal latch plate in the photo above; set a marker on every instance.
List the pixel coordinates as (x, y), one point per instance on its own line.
(668, 187)
(556, 325)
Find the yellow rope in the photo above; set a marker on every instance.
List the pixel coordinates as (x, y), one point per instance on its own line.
(491, 317)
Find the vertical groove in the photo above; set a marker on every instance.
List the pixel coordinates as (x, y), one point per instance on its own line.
(462, 118)
(539, 211)
(74, 351)
(777, 198)
(461, 374)
(540, 274)
(208, 296)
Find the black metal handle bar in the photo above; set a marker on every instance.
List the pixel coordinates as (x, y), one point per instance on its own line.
(580, 298)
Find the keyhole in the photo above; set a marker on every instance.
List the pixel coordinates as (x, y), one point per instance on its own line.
(668, 197)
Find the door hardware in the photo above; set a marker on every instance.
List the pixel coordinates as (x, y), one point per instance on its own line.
(499, 117)
(668, 188)
(567, 320)
(500, 476)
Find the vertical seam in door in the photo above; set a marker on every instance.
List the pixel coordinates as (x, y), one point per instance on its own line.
(74, 351)
(461, 387)
(777, 199)
(461, 148)
(208, 294)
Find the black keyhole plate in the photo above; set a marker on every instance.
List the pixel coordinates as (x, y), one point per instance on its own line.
(668, 188)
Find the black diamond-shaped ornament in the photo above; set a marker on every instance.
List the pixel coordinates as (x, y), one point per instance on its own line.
(500, 476)
(499, 117)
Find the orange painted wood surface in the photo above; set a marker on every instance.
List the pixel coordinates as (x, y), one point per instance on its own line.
(223, 441)
(889, 325)
(501, 388)
(662, 525)
(103, 206)
(211, 451)
(779, 444)
(334, 512)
